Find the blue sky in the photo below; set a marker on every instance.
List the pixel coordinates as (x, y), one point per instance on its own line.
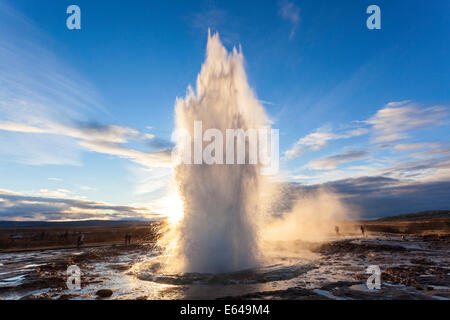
(86, 115)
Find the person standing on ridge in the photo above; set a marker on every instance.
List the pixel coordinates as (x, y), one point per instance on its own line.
(336, 228)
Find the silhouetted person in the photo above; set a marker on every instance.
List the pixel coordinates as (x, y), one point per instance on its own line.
(80, 240)
(129, 239)
(363, 231)
(336, 228)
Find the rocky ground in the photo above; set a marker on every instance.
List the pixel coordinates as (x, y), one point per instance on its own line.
(412, 268)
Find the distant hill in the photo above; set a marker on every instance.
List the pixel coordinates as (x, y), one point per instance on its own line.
(424, 215)
(71, 224)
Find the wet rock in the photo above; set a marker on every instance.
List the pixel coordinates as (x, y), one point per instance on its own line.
(437, 238)
(120, 267)
(360, 276)
(67, 296)
(339, 284)
(347, 246)
(295, 293)
(422, 261)
(42, 296)
(104, 293)
(7, 288)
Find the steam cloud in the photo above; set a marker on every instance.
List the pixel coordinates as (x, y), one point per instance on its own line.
(313, 217)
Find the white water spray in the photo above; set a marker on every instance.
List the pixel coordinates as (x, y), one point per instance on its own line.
(218, 231)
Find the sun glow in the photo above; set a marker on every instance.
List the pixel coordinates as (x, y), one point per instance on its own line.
(173, 207)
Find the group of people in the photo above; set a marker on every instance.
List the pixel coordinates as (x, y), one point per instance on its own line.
(128, 238)
(80, 240)
(363, 231)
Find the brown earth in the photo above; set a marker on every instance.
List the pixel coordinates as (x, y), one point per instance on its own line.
(38, 238)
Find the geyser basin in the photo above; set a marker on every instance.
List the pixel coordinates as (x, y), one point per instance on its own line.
(271, 273)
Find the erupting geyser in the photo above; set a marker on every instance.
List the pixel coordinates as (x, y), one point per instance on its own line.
(218, 231)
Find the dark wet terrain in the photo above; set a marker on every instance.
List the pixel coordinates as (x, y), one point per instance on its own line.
(412, 268)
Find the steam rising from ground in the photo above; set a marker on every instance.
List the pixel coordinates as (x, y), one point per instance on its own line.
(313, 217)
(218, 231)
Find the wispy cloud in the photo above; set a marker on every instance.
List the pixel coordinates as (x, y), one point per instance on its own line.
(416, 146)
(410, 161)
(87, 188)
(333, 161)
(59, 193)
(212, 17)
(45, 104)
(37, 89)
(98, 138)
(47, 107)
(318, 140)
(51, 207)
(290, 12)
(393, 122)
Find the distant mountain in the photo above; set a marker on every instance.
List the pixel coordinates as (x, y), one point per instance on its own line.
(71, 224)
(423, 215)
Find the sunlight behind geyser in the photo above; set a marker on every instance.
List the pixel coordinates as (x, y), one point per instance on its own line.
(172, 207)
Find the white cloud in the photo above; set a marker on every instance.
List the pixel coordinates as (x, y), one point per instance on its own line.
(416, 146)
(290, 12)
(318, 140)
(311, 142)
(9, 192)
(147, 159)
(90, 132)
(98, 138)
(148, 136)
(87, 188)
(333, 161)
(49, 206)
(59, 193)
(38, 89)
(44, 105)
(358, 132)
(393, 122)
(19, 127)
